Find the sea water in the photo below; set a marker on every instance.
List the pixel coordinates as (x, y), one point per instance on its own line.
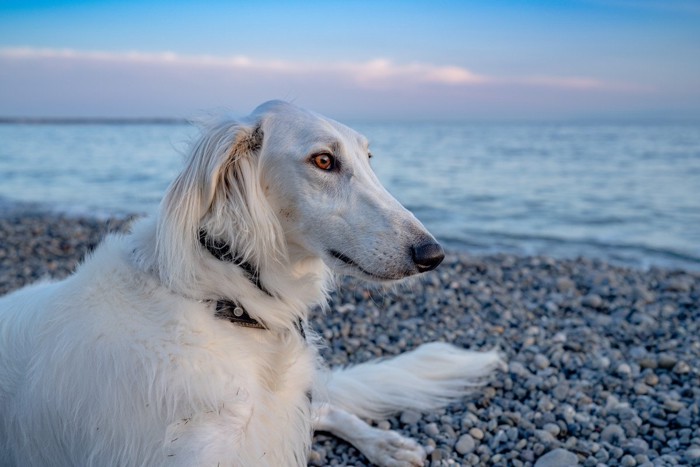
(626, 193)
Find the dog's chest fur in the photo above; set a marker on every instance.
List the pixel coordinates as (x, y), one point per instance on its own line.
(261, 406)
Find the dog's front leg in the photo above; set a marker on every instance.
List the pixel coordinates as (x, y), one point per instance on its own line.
(383, 448)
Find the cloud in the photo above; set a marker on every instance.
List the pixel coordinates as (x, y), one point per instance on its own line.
(373, 73)
(562, 82)
(66, 82)
(386, 71)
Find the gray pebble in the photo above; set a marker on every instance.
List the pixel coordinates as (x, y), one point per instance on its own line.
(613, 434)
(602, 455)
(648, 362)
(681, 368)
(673, 405)
(677, 285)
(465, 444)
(666, 361)
(564, 284)
(592, 301)
(409, 417)
(437, 455)
(384, 425)
(651, 379)
(316, 458)
(692, 455)
(431, 429)
(623, 369)
(545, 437)
(557, 458)
(636, 446)
(541, 361)
(519, 369)
(552, 428)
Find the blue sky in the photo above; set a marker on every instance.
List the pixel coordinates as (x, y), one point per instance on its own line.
(492, 59)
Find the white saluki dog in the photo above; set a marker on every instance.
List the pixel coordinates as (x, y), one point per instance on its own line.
(186, 343)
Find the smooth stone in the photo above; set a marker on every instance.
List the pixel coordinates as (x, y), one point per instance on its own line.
(465, 444)
(436, 455)
(636, 446)
(623, 369)
(651, 379)
(545, 437)
(552, 428)
(409, 417)
(692, 455)
(592, 301)
(681, 368)
(613, 434)
(673, 405)
(647, 362)
(658, 422)
(564, 284)
(557, 458)
(541, 361)
(666, 361)
(431, 429)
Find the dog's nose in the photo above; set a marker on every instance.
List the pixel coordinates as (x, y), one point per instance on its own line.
(427, 256)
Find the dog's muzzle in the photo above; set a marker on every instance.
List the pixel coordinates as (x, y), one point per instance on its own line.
(427, 256)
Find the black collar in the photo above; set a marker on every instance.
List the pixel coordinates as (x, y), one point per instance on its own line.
(235, 313)
(230, 309)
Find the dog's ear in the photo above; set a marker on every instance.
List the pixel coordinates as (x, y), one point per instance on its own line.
(219, 191)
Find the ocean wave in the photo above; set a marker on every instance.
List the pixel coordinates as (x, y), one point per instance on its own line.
(628, 254)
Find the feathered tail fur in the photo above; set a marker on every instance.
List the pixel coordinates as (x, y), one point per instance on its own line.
(426, 378)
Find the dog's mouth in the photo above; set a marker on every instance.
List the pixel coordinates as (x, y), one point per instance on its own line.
(349, 262)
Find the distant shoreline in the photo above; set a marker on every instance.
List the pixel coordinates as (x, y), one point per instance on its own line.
(93, 121)
(622, 121)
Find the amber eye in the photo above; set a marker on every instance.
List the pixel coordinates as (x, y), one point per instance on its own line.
(324, 161)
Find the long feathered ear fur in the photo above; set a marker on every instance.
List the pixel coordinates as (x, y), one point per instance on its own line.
(219, 191)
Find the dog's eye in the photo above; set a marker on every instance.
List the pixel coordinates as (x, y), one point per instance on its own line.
(324, 161)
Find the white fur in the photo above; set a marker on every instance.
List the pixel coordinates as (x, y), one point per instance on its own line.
(125, 362)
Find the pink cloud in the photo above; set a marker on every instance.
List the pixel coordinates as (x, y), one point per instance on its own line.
(373, 72)
(65, 82)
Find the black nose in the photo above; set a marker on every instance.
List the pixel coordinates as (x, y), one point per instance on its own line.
(427, 256)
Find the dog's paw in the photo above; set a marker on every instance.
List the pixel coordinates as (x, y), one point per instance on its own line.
(390, 449)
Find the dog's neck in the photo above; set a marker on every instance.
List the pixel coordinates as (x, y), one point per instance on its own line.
(293, 286)
(226, 308)
(229, 309)
(223, 252)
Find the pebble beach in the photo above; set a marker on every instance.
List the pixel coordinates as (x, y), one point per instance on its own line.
(603, 362)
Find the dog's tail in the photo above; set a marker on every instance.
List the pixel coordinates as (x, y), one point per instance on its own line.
(426, 378)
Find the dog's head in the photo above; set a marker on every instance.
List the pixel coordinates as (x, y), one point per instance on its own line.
(317, 176)
(289, 184)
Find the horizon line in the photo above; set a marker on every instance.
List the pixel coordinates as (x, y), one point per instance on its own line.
(583, 119)
(92, 120)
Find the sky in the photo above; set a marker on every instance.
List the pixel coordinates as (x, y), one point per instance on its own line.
(372, 60)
